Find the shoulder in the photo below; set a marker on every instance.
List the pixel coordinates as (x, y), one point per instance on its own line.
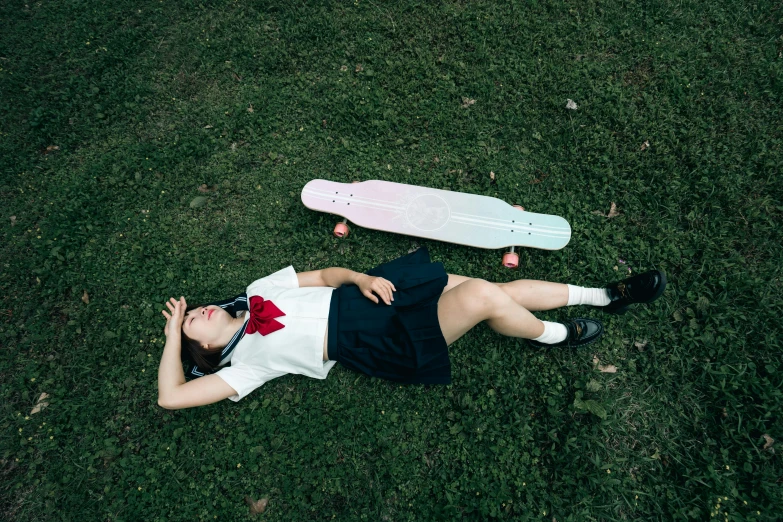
(244, 378)
(283, 278)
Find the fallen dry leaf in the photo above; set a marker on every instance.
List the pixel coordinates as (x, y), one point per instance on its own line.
(571, 105)
(344, 68)
(769, 442)
(50, 148)
(640, 344)
(41, 403)
(359, 67)
(645, 145)
(257, 506)
(467, 102)
(204, 188)
(613, 212)
(250, 109)
(85, 298)
(207, 126)
(492, 175)
(540, 178)
(13, 221)
(609, 368)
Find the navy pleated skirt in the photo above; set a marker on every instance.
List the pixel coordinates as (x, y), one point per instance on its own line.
(401, 342)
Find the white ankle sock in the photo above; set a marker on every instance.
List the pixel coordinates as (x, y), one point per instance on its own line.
(553, 333)
(578, 295)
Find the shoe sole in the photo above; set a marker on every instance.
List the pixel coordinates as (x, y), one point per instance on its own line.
(659, 293)
(619, 311)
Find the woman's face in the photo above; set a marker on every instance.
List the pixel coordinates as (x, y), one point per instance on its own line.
(205, 325)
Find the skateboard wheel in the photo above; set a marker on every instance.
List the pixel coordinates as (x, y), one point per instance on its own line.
(341, 230)
(520, 207)
(510, 260)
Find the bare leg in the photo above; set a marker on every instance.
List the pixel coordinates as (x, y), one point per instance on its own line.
(466, 304)
(530, 294)
(536, 295)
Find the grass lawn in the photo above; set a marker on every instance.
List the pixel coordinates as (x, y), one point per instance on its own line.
(116, 117)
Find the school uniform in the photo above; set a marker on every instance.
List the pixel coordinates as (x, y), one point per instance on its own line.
(401, 342)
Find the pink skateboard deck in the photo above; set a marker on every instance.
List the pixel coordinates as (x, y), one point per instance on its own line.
(442, 215)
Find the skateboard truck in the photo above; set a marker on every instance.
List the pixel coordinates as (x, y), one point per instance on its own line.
(342, 229)
(511, 258)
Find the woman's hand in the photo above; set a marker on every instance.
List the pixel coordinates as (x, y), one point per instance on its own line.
(382, 287)
(174, 320)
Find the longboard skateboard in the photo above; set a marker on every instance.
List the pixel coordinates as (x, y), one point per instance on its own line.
(442, 215)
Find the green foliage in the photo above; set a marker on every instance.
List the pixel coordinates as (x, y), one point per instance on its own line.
(151, 149)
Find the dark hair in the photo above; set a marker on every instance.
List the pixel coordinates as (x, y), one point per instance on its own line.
(191, 352)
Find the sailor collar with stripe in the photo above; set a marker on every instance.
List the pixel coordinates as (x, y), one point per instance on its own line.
(233, 307)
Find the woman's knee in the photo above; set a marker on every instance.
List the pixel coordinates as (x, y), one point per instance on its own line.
(483, 296)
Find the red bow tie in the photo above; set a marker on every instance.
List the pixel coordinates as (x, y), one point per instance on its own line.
(262, 316)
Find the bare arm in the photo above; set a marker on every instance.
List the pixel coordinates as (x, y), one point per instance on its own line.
(336, 277)
(173, 392)
(333, 277)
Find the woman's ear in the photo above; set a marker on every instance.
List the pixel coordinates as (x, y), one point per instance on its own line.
(205, 346)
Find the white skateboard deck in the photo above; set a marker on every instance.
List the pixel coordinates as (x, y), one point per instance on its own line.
(442, 215)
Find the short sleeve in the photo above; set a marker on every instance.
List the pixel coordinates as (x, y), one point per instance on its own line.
(285, 278)
(243, 379)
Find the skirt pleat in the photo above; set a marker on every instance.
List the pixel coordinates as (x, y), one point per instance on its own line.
(401, 342)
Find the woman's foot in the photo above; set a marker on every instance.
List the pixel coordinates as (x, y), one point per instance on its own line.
(641, 288)
(580, 332)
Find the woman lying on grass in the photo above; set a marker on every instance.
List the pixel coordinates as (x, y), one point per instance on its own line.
(304, 323)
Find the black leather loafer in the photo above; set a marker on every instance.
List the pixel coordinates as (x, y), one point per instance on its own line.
(581, 332)
(641, 288)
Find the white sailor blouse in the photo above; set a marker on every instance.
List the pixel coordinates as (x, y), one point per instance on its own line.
(297, 347)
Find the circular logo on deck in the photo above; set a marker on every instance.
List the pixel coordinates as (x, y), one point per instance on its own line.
(428, 212)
